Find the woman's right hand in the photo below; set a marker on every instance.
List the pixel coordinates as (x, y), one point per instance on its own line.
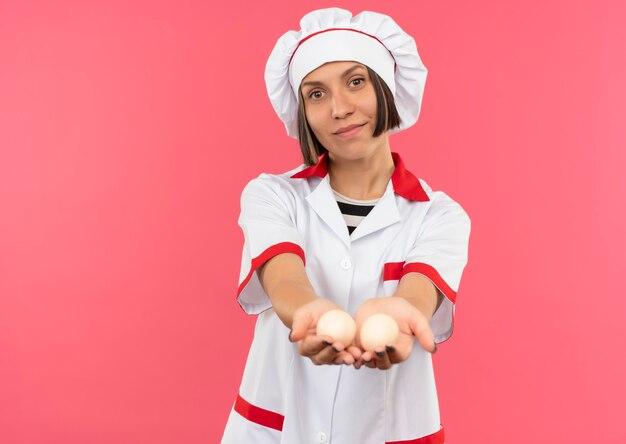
(320, 349)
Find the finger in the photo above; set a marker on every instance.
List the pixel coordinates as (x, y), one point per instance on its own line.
(361, 363)
(370, 364)
(300, 325)
(367, 356)
(326, 356)
(421, 330)
(398, 352)
(427, 341)
(331, 355)
(344, 358)
(312, 345)
(368, 360)
(355, 351)
(338, 346)
(382, 358)
(393, 354)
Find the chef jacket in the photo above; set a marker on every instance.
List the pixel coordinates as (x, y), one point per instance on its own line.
(284, 397)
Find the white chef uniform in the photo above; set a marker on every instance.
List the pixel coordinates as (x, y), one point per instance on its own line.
(284, 397)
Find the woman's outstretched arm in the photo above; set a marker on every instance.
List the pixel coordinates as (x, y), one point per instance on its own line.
(412, 306)
(298, 306)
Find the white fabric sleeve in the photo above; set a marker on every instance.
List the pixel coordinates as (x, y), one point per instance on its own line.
(440, 253)
(267, 220)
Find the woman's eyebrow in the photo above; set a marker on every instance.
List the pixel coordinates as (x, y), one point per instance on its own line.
(311, 83)
(346, 73)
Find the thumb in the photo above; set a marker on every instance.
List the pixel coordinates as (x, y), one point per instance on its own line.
(421, 330)
(300, 325)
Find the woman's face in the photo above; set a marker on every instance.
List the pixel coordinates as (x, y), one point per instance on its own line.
(340, 106)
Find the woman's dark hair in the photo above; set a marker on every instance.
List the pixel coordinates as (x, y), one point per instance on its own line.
(387, 118)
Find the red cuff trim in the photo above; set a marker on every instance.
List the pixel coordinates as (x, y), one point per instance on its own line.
(260, 416)
(430, 272)
(435, 438)
(274, 250)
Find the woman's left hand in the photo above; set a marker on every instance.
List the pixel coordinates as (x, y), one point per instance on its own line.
(412, 325)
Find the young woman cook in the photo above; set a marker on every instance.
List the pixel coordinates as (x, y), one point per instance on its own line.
(351, 229)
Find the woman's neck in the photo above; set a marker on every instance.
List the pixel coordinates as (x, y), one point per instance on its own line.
(365, 178)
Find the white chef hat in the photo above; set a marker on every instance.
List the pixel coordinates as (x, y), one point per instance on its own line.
(333, 34)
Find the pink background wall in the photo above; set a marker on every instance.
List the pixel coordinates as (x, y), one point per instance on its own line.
(128, 130)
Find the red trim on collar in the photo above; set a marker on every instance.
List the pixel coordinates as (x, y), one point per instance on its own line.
(320, 169)
(404, 182)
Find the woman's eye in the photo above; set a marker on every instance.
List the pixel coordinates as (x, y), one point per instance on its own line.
(357, 82)
(315, 95)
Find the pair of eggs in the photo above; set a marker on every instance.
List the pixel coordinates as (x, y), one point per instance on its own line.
(378, 330)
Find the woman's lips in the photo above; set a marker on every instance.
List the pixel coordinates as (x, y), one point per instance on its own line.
(351, 132)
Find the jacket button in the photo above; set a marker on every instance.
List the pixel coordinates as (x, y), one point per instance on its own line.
(346, 264)
(321, 437)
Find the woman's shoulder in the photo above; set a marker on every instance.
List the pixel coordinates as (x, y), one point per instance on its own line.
(278, 185)
(284, 180)
(441, 201)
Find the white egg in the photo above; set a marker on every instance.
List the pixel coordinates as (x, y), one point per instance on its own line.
(377, 331)
(337, 324)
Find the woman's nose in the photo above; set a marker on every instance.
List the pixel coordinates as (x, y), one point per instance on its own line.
(341, 106)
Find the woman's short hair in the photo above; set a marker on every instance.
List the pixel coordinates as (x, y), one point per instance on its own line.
(387, 118)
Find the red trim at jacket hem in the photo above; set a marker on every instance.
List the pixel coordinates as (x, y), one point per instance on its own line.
(435, 438)
(260, 416)
(273, 420)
